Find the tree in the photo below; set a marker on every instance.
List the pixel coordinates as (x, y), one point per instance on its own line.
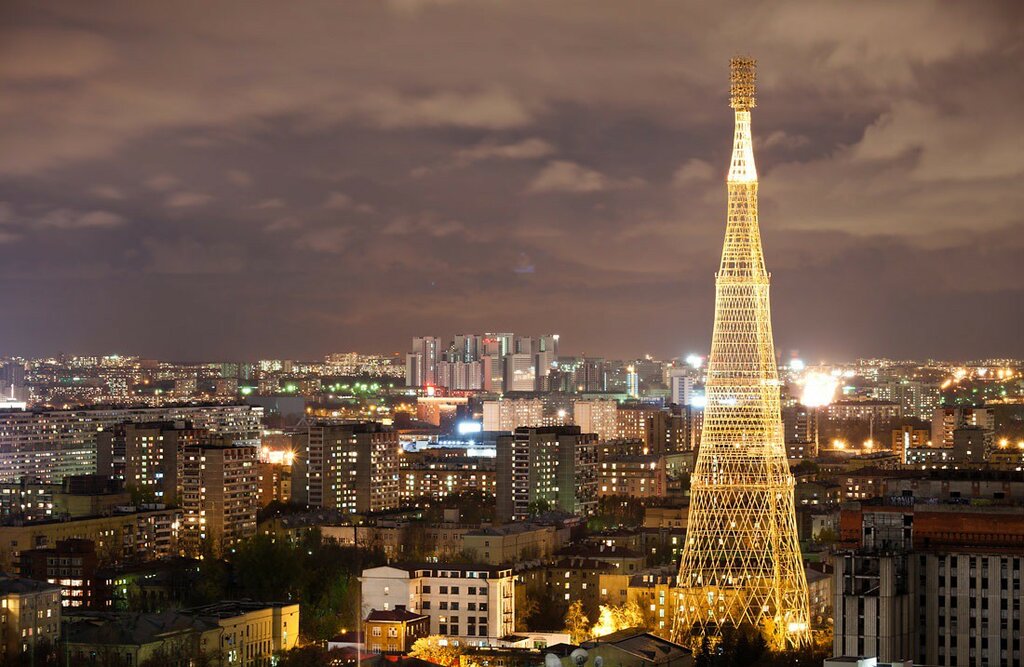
(614, 618)
(576, 623)
(538, 507)
(416, 543)
(436, 649)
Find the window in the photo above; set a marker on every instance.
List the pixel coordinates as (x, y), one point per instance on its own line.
(375, 631)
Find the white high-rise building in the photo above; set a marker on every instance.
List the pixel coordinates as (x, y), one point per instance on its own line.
(681, 385)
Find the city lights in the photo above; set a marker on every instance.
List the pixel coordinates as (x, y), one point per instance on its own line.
(819, 389)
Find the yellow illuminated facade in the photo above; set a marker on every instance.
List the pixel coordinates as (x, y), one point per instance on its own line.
(741, 562)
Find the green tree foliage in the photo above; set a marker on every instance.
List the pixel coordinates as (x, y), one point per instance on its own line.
(321, 575)
(617, 511)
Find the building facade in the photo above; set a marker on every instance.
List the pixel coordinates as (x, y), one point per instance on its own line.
(545, 468)
(474, 604)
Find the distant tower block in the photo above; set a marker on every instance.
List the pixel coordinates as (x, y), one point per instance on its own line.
(741, 562)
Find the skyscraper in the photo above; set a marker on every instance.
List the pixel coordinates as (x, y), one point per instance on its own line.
(421, 362)
(741, 563)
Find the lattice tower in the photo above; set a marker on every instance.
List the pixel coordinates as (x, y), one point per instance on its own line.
(741, 562)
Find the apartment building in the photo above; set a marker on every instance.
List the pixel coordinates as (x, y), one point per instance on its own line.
(30, 613)
(474, 604)
(219, 495)
(352, 467)
(551, 467)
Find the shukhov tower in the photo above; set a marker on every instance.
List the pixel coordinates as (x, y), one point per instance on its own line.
(741, 563)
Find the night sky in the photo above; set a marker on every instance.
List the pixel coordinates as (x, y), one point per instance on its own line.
(237, 180)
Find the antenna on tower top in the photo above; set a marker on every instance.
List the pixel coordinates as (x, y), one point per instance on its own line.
(742, 76)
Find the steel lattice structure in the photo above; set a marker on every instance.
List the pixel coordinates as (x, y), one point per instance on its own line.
(741, 562)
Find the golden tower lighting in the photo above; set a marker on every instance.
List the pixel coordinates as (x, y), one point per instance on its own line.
(741, 562)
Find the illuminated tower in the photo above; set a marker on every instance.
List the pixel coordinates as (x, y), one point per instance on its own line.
(741, 563)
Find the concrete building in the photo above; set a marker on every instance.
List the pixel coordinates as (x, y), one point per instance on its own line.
(634, 476)
(219, 495)
(597, 416)
(421, 362)
(30, 612)
(909, 438)
(520, 372)
(242, 633)
(512, 543)
(126, 535)
(51, 445)
(917, 400)
(945, 420)
(545, 468)
(352, 467)
(70, 564)
(473, 603)
(879, 412)
(437, 477)
(938, 584)
(152, 456)
(510, 414)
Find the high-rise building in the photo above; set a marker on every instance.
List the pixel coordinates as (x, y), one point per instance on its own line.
(54, 444)
(511, 413)
(421, 362)
(948, 419)
(680, 386)
(152, 456)
(931, 583)
(632, 382)
(741, 563)
(219, 495)
(599, 417)
(520, 372)
(551, 467)
(916, 399)
(547, 356)
(460, 375)
(468, 347)
(352, 467)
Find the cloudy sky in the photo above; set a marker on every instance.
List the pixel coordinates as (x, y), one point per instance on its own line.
(196, 180)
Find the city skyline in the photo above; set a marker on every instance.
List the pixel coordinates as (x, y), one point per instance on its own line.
(220, 190)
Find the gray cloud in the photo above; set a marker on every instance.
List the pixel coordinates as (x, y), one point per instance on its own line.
(367, 171)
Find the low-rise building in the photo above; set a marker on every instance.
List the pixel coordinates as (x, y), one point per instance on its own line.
(394, 631)
(473, 603)
(242, 633)
(30, 612)
(634, 476)
(70, 564)
(133, 534)
(511, 543)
